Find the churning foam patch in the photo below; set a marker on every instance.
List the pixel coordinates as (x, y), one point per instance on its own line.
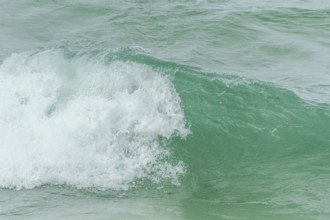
(85, 122)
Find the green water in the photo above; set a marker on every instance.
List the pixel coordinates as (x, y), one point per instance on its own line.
(164, 110)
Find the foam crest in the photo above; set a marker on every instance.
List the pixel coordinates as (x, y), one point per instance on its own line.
(85, 122)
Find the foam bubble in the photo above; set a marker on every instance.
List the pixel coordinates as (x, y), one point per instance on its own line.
(85, 122)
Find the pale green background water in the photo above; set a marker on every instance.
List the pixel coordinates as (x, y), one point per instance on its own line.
(254, 82)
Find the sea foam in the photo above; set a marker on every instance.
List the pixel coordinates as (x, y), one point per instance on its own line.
(84, 121)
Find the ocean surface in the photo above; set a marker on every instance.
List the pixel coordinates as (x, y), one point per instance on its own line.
(165, 110)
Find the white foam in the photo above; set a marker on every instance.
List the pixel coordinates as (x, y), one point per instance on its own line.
(84, 122)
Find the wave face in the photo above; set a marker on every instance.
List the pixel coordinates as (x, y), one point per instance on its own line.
(254, 146)
(85, 121)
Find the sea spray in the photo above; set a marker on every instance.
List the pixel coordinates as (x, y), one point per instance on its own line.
(84, 121)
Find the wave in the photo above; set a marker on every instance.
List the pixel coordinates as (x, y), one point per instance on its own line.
(121, 120)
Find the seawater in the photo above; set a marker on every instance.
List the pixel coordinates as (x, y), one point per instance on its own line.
(164, 110)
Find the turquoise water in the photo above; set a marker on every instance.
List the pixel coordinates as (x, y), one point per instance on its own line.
(164, 110)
